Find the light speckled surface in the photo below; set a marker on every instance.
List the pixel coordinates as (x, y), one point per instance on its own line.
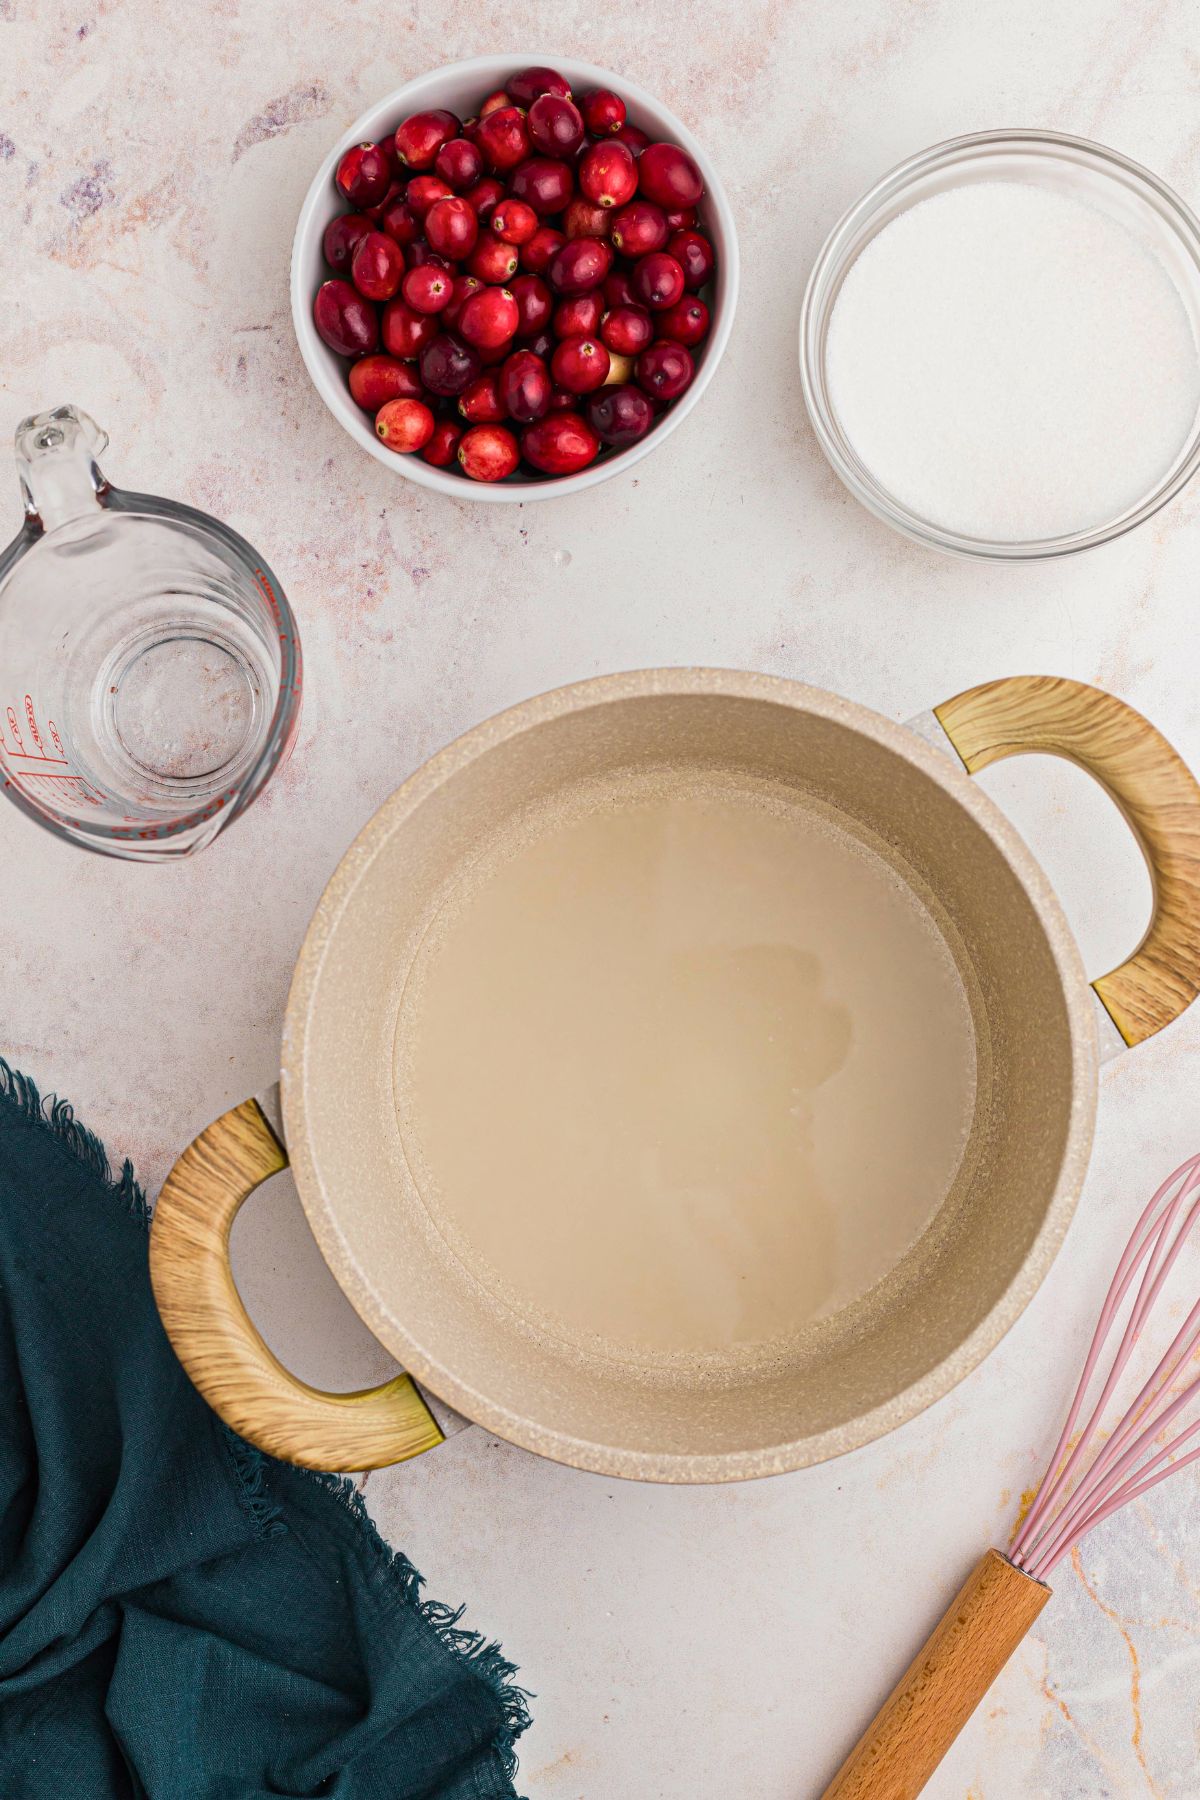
(685, 1644)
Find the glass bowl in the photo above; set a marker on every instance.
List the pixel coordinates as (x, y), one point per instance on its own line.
(1134, 197)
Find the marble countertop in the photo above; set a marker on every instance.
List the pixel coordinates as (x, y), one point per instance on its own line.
(684, 1644)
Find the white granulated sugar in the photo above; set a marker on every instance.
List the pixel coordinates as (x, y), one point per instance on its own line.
(1011, 364)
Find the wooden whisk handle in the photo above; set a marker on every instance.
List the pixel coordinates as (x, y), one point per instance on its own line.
(943, 1684)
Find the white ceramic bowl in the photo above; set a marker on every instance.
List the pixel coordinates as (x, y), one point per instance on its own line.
(460, 87)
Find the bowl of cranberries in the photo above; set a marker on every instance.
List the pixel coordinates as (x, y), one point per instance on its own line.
(511, 280)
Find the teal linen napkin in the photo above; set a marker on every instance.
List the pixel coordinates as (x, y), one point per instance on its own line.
(181, 1617)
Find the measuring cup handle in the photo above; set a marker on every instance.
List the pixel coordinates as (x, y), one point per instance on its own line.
(1155, 790)
(213, 1337)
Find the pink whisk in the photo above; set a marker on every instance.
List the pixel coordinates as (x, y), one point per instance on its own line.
(1004, 1594)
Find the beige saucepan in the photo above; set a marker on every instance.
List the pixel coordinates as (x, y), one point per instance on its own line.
(720, 1403)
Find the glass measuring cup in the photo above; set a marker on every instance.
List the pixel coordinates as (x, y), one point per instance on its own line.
(149, 662)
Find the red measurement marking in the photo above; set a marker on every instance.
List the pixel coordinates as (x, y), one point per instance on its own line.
(34, 733)
(13, 727)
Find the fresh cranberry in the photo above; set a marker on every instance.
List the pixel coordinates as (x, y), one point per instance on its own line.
(664, 370)
(422, 255)
(480, 404)
(545, 183)
(620, 415)
(580, 364)
(634, 139)
(525, 386)
(488, 452)
(603, 112)
(374, 380)
(395, 191)
(686, 322)
(377, 266)
(639, 228)
(421, 136)
(535, 303)
(422, 191)
(542, 345)
(608, 175)
(492, 260)
(485, 197)
(442, 447)
(491, 354)
(342, 237)
(459, 164)
(530, 84)
(694, 254)
(364, 175)
(345, 321)
(503, 138)
(452, 227)
(627, 330)
(579, 266)
(489, 317)
(668, 176)
(540, 251)
(560, 444)
(428, 289)
(406, 332)
(464, 287)
(448, 365)
(562, 400)
(555, 125)
(404, 425)
(681, 218)
(583, 218)
(617, 291)
(514, 222)
(657, 280)
(495, 100)
(400, 222)
(579, 316)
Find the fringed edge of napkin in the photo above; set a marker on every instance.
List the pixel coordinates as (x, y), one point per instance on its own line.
(485, 1659)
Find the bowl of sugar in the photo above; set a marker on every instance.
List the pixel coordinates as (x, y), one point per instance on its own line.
(1000, 345)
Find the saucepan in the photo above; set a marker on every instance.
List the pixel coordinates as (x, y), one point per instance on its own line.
(713, 1402)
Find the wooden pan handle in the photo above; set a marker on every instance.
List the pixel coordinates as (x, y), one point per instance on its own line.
(943, 1684)
(1155, 790)
(211, 1332)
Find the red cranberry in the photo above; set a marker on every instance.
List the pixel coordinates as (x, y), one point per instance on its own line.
(495, 100)
(364, 175)
(617, 291)
(535, 303)
(492, 260)
(491, 354)
(488, 452)
(583, 218)
(448, 365)
(560, 444)
(620, 415)
(421, 136)
(668, 176)
(639, 228)
(579, 316)
(405, 332)
(489, 317)
(579, 266)
(459, 163)
(608, 175)
(428, 289)
(530, 84)
(580, 364)
(542, 345)
(603, 112)
(485, 197)
(664, 370)
(377, 267)
(694, 254)
(514, 222)
(480, 403)
(562, 400)
(686, 322)
(452, 227)
(627, 330)
(503, 138)
(422, 191)
(374, 380)
(540, 251)
(420, 254)
(545, 183)
(634, 139)
(400, 222)
(464, 287)
(395, 191)
(442, 447)
(345, 321)
(657, 280)
(525, 387)
(404, 425)
(555, 125)
(342, 237)
(682, 218)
